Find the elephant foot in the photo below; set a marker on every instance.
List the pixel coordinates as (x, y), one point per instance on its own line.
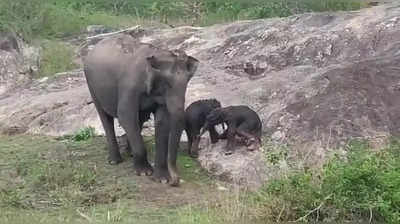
(143, 168)
(114, 160)
(161, 175)
(228, 152)
(174, 181)
(194, 154)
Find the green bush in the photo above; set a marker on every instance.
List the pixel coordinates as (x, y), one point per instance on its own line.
(61, 18)
(55, 19)
(55, 57)
(84, 134)
(21, 16)
(367, 183)
(362, 186)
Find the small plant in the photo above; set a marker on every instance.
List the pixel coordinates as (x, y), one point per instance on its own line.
(84, 134)
(274, 151)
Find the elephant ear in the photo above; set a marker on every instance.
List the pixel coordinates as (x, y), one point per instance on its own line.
(153, 62)
(192, 64)
(214, 116)
(158, 67)
(153, 67)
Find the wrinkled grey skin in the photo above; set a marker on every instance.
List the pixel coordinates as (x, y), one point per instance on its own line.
(129, 80)
(244, 126)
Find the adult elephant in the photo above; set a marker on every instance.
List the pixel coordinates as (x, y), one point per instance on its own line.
(130, 80)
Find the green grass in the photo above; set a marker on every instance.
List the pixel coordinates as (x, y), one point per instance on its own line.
(360, 187)
(47, 180)
(62, 18)
(55, 57)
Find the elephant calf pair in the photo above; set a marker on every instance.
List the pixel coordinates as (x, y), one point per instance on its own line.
(243, 125)
(130, 80)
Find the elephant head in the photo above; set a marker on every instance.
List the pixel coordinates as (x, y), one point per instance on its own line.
(168, 76)
(215, 117)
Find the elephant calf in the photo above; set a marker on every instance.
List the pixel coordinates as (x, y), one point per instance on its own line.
(195, 118)
(243, 124)
(130, 80)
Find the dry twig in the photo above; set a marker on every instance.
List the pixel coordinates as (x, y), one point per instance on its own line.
(315, 209)
(84, 216)
(103, 35)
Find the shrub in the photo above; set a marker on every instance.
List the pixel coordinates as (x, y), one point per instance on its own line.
(362, 186)
(61, 18)
(21, 16)
(55, 57)
(84, 134)
(368, 183)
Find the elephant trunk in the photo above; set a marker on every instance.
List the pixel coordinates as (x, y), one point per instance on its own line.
(176, 110)
(176, 128)
(204, 129)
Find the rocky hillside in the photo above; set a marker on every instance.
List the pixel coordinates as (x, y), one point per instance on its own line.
(318, 77)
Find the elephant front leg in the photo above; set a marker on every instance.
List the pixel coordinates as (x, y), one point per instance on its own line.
(128, 118)
(194, 141)
(143, 117)
(194, 151)
(214, 136)
(190, 140)
(161, 134)
(114, 156)
(230, 133)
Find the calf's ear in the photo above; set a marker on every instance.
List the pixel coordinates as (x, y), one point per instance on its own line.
(153, 62)
(192, 64)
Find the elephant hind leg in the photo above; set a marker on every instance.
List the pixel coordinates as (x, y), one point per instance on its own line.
(107, 121)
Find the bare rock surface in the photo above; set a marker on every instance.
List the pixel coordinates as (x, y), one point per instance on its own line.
(18, 62)
(316, 77)
(244, 168)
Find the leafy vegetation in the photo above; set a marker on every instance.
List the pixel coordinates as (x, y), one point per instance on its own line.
(60, 18)
(84, 134)
(56, 57)
(361, 187)
(46, 180)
